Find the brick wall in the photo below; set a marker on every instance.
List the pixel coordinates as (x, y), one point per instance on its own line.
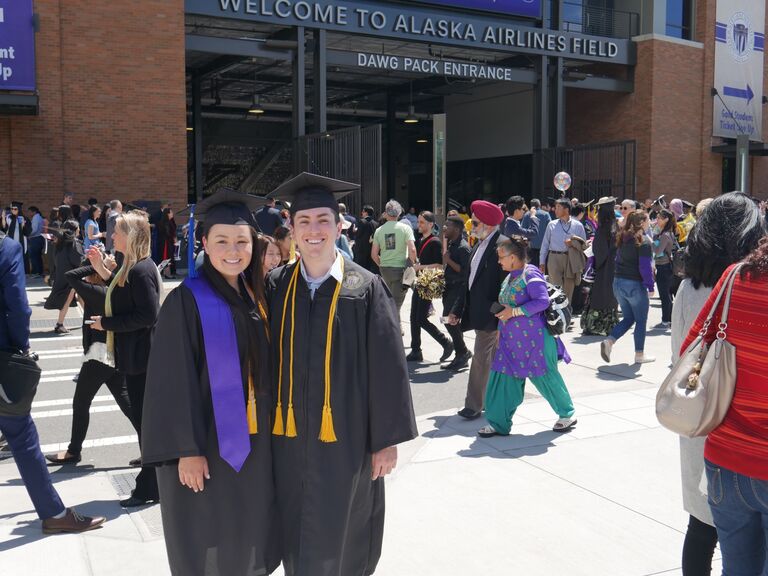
(669, 115)
(112, 106)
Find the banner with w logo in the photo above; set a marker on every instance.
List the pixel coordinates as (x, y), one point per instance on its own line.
(739, 46)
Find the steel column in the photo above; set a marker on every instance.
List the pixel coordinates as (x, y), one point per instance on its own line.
(319, 86)
(197, 135)
(299, 85)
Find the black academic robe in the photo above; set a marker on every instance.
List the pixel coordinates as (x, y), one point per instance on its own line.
(332, 513)
(229, 528)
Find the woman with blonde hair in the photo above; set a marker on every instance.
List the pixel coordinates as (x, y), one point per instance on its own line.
(130, 310)
(632, 283)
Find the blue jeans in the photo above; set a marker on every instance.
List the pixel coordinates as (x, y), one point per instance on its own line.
(740, 508)
(21, 433)
(35, 247)
(633, 300)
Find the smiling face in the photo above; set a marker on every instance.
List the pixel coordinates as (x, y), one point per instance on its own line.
(315, 231)
(272, 257)
(229, 248)
(425, 227)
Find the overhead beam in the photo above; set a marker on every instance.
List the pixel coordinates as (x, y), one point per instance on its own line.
(235, 47)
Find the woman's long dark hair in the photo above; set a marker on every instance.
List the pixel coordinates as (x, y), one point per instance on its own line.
(728, 230)
(632, 228)
(671, 220)
(67, 234)
(253, 277)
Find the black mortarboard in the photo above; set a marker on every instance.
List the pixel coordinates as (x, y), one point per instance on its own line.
(687, 204)
(228, 206)
(660, 201)
(17, 205)
(307, 191)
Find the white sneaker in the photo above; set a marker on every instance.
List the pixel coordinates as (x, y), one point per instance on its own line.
(644, 359)
(605, 349)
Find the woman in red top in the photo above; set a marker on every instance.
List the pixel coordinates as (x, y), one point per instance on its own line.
(736, 452)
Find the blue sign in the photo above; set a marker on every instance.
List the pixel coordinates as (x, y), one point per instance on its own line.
(527, 8)
(17, 45)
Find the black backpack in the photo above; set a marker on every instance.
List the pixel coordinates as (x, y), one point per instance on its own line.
(558, 313)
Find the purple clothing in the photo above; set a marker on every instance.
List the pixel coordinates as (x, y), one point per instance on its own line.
(521, 341)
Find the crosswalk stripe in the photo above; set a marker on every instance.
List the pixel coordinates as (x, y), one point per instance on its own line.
(58, 379)
(71, 371)
(68, 411)
(42, 353)
(67, 401)
(52, 338)
(58, 356)
(95, 443)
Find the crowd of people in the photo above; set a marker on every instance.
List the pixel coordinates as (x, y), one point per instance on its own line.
(260, 439)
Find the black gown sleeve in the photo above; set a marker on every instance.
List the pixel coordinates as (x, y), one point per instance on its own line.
(391, 418)
(174, 422)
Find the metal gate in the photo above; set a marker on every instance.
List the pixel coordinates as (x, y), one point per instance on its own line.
(596, 169)
(351, 154)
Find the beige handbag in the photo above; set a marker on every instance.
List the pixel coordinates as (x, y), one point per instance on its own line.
(696, 395)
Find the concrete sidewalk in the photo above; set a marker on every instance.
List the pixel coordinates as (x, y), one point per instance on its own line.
(604, 499)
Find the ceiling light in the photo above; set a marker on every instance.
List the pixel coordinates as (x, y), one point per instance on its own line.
(411, 117)
(422, 141)
(190, 129)
(255, 107)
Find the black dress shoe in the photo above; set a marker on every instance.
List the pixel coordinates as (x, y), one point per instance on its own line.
(71, 459)
(447, 351)
(461, 361)
(135, 463)
(134, 502)
(468, 414)
(415, 356)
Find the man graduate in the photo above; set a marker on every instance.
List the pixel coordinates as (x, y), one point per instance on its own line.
(342, 394)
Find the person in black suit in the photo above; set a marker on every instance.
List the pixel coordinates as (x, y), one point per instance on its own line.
(484, 277)
(361, 250)
(130, 311)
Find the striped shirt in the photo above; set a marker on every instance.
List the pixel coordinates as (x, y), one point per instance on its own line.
(740, 443)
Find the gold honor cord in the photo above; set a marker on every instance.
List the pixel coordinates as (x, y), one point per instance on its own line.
(253, 421)
(327, 433)
(278, 429)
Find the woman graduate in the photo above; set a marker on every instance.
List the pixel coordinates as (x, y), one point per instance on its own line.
(207, 407)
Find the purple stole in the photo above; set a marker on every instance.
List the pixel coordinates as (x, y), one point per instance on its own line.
(224, 372)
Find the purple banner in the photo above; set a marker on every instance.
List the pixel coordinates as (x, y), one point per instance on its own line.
(17, 45)
(527, 8)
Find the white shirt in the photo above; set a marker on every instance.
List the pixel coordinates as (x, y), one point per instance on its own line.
(478, 257)
(315, 283)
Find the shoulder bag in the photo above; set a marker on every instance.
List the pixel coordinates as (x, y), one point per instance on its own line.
(697, 393)
(19, 377)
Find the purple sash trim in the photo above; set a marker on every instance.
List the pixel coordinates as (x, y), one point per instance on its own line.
(224, 372)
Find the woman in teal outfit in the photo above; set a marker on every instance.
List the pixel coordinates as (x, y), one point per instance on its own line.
(526, 348)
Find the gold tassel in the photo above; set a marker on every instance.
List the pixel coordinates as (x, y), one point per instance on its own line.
(278, 429)
(290, 429)
(327, 434)
(253, 418)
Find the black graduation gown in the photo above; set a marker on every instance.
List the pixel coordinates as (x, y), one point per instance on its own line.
(228, 529)
(68, 257)
(332, 513)
(601, 296)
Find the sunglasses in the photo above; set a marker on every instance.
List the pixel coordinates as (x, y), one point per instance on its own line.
(475, 222)
(624, 208)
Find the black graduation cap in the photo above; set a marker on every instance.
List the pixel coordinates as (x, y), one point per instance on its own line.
(307, 191)
(660, 201)
(687, 204)
(18, 205)
(228, 206)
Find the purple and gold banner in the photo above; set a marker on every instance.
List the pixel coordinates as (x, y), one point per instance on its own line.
(17, 45)
(527, 8)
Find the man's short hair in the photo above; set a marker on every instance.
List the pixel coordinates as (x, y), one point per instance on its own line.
(115, 204)
(342, 208)
(92, 201)
(393, 209)
(514, 203)
(456, 221)
(535, 203)
(564, 202)
(368, 209)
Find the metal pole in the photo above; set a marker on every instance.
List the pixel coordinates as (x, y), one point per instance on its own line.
(742, 163)
(299, 85)
(319, 87)
(197, 125)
